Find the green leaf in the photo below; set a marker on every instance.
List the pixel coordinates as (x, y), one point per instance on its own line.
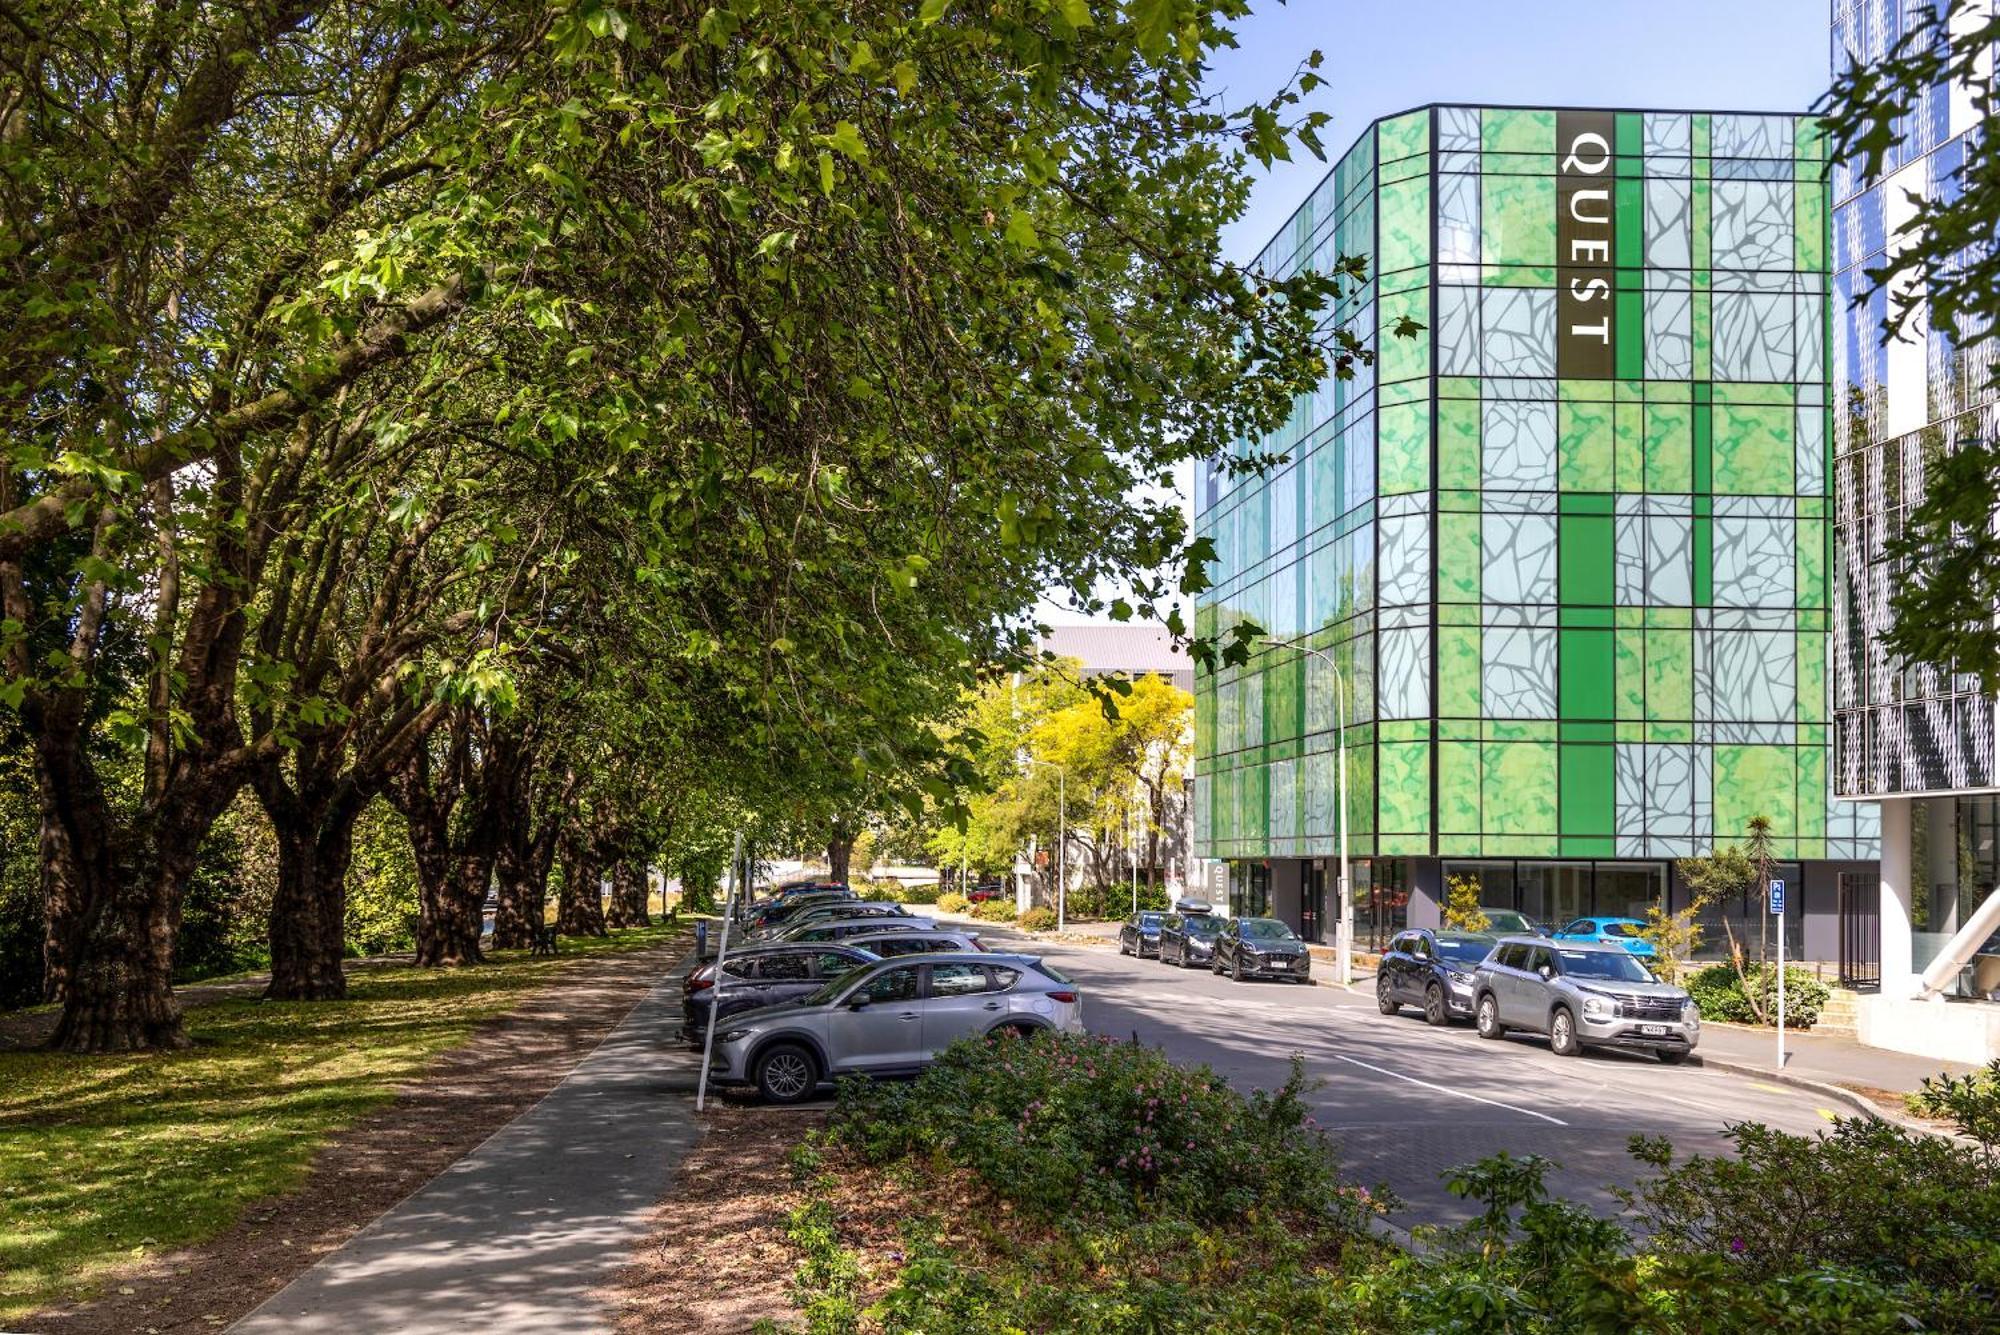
(1021, 231)
(932, 11)
(826, 176)
(846, 138)
(1152, 25)
(1075, 12)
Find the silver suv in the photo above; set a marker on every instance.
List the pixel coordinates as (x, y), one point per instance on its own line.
(1582, 995)
(891, 1018)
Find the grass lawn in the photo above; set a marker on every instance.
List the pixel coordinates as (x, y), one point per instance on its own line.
(104, 1160)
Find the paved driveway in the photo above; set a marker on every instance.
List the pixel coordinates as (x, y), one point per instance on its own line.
(1408, 1102)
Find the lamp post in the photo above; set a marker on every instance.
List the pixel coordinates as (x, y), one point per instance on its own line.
(1062, 838)
(1344, 932)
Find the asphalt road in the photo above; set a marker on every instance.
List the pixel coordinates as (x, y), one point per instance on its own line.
(1407, 1102)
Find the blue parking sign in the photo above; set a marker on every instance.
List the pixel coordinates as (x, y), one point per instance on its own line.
(1778, 897)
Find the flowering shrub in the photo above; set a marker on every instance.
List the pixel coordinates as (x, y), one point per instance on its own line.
(1068, 1124)
(1039, 919)
(953, 903)
(994, 910)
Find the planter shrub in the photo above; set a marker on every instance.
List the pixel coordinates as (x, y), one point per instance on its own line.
(952, 903)
(1039, 919)
(1719, 995)
(994, 910)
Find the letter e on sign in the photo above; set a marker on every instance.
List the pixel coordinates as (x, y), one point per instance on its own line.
(1586, 241)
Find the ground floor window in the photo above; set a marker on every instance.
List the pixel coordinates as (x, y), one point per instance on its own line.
(1558, 893)
(1250, 890)
(1381, 902)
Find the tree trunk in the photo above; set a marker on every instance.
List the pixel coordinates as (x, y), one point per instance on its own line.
(839, 850)
(119, 995)
(518, 915)
(628, 896)
(309, 910)
(61, 897)
(580, 903)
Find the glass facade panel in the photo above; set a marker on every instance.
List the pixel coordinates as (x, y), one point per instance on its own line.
(1576, 596)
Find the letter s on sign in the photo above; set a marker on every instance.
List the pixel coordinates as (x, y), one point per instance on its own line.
(1589, 289)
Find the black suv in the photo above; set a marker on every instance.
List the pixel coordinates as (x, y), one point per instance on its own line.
(1188, 939)
(1260, 948)
(1140, 934)
(1432, 969)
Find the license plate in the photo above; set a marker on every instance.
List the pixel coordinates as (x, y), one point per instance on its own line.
(1653, 1030)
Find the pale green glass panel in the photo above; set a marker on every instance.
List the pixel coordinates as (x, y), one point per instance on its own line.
(1669, 675)
(1405, 448)
(1506, 130)
(1629, 671)
(1404, 136)
(1516, 220)
(1459, 557)
(1669, 447)
(1584, 446)
(1753, 781)
(1518, 787)
(1458, 671)
(1458, 787)
(1405, 794)
(1406, 224)
(1753, 450)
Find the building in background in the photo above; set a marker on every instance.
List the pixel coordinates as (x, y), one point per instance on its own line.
(1915, 742)
(1568, 546)
(1128, 650)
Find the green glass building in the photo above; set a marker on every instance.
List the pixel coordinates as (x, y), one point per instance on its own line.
(1563, 553)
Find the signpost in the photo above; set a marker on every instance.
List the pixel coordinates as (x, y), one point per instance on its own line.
(715, 988)
(1778, 912)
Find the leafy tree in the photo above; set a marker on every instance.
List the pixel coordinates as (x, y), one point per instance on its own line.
(1461, 905)
(1732, 873)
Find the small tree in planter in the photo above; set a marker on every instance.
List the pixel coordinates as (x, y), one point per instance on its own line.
(1462, 912)
(1732, 872)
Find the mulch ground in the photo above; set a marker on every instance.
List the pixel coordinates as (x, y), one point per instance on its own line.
(468, 1093)
(716, 1259)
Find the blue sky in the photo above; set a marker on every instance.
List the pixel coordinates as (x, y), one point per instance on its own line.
(1383, 56)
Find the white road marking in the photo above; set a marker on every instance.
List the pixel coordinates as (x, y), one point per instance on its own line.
(1443, 1089)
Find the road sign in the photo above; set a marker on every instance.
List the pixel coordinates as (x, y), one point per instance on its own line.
(1778, 897)
(1778, 908)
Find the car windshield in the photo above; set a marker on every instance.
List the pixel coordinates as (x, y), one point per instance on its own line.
(1625, 929)
(1200, 925)
(1614, 965)
(830, 989)
(1506, 920)
(1459, 950)
(1264, 929)
(1149, 919)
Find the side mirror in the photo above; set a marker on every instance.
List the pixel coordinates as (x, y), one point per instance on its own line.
(858, 1003)
(1546, 972)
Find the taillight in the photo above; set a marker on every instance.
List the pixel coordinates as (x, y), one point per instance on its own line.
(1066, 998)
(697, 984)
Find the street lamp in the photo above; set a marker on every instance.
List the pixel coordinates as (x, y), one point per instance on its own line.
(1062, 837)
(1344, 933)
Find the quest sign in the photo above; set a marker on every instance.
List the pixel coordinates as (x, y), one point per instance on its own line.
(1586, 237)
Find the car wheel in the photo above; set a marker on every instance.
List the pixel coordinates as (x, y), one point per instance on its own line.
(1434, 1011)
(1236, 970)
(1488, 1018)
(1121, 947)
(786, 1073)
(1384, 1002)
(1562, 1033)
(1215, 963)
(1672, 1056)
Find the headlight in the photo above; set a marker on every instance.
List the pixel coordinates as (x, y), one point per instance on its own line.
(1690, 1013)
(1597, 1007)
(1458, 979)
(736, 1035)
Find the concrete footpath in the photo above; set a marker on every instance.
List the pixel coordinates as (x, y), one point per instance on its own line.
(520, 1235)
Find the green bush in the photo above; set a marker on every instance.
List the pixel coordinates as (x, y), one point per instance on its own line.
(1076, 1125)
(1719, 995)
(994, 910)
(1969, 1102)
(953, 903)
(1039, 919)
(921, 894)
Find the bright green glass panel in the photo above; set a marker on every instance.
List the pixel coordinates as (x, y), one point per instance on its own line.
(1584, 446)
(1515, 224)
(1458, 672)
(1584, 561)
(1584, 675)
(1458, 787)
(1404, 797)
(1406, 224)
(1404, 135)
(1405, 444)
(1588, 788)
(1518, 787)
(1755, 781)
(1669, 446)
(1752, 450)
(1458, 557)
(1505, 130)
(1669, 675)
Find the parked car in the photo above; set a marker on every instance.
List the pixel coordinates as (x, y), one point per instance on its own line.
(1611, 932)
(846, 908)
(914, 941)
(761, 976)
(1140, 935)
(891, 1018)
(985, 891)
(1259, 948)
(1431, 969)
(777, 911)
(1509, 922)
(1188, 939)
(793, 889)
(840, 929)
(1582, 995)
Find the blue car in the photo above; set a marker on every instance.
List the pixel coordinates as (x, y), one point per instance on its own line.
(1610, 932)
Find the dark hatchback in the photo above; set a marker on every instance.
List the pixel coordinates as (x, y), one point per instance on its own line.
(1260, 948)
(1140, 935)
(1431, 969)
(762, 976)
(1188, 939)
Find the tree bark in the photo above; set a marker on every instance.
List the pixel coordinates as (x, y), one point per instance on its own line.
(839, 851)
(448, 919)
(628, 896)
(309, 910)
(580, 904)
(519, 914)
